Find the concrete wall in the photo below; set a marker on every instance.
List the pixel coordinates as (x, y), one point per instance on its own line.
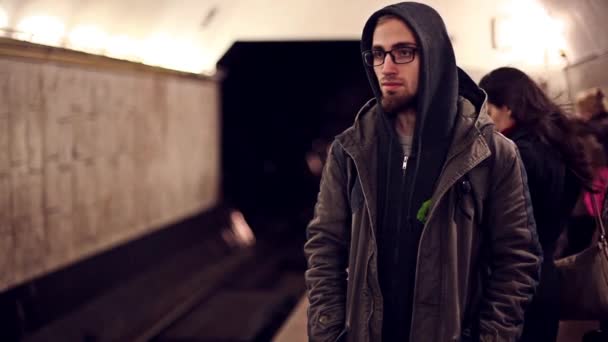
(90, 159)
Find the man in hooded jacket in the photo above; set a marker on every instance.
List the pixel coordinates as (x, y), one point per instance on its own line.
(423, 227)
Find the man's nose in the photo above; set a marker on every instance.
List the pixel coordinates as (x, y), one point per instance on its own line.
(389, 67)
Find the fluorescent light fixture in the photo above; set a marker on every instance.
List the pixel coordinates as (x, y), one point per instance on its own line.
(3, 18)
(41, 29)
(122, 47)
(88, 38)
(168, 52)
(525, 32)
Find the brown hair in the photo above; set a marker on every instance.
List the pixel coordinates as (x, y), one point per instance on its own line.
(532, 108)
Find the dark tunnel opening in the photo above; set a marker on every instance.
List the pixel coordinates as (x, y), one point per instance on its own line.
(282, 104)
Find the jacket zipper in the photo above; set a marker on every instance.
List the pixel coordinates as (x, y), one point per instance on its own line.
(400, 218)
(396, 252)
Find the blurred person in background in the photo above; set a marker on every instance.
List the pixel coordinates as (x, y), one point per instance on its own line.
(559, 166)
(591, 108)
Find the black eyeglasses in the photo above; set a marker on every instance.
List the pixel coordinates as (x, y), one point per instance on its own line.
(400, 55)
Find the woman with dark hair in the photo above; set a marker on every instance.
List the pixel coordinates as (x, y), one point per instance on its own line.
(553, 151)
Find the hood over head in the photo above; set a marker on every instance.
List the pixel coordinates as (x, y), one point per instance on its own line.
(438, 86)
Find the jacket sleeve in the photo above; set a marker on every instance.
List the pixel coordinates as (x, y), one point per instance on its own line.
(326, 251)
(515, 254)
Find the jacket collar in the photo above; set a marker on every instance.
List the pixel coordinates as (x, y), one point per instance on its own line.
(469, 148)
(360, 142)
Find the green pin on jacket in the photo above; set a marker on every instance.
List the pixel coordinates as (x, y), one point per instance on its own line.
(423, 211)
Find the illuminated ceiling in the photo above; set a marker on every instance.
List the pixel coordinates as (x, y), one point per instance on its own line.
(191, 35)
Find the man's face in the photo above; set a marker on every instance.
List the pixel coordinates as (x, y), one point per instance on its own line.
(398, 82)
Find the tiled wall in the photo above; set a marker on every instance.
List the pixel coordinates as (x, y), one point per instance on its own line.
(91, 159)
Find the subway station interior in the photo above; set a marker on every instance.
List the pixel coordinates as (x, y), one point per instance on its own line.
(160, 160)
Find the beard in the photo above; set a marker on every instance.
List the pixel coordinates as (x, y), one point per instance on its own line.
(396, 103)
